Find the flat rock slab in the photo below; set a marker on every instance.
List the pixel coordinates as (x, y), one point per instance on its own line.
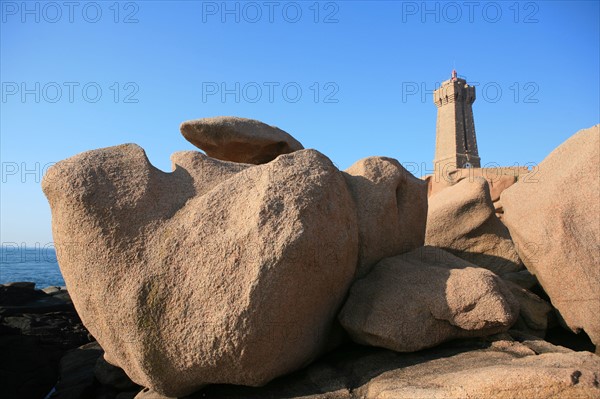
(242, 140)
(503, 368)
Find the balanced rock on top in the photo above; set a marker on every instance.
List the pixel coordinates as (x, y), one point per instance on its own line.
(235, 139)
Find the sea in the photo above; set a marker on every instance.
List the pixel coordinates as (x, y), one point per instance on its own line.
(37, 264)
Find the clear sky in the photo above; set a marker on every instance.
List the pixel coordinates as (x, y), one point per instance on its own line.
(349, 78)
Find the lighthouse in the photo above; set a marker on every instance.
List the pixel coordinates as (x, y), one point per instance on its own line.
(456, 144)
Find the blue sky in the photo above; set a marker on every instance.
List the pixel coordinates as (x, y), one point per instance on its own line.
(96, 74)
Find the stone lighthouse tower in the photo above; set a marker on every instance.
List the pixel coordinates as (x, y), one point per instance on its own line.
(455, 143)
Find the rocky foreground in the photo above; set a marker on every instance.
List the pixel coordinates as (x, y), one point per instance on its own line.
(41, 354)
(285, 277)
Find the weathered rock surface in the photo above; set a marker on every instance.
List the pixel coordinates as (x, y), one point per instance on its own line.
(425, 297)
(236, 139)
(555, 222)
(392, 209)
(498, 180)
(468, 369)
(461, 220)
(533, 315)
(511, 372)
(514, 365)
(214, 273)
